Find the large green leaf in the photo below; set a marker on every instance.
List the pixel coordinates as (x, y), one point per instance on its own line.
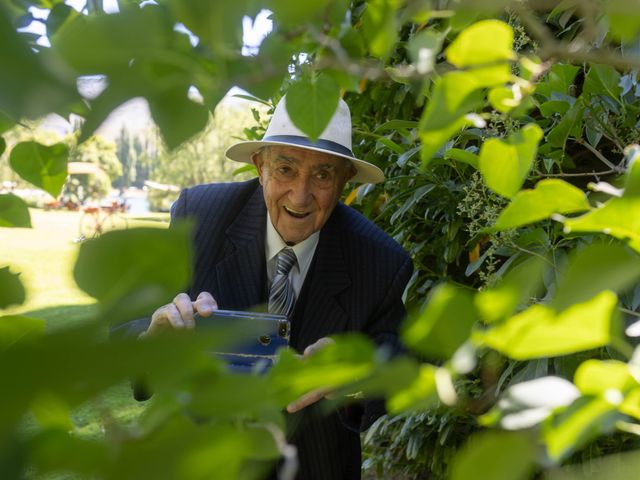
(380, 26)
(177, 116)
(423, 49)
(558, 81)
(43, 166)
(444, 325)
(454, 95)
(421, 394)
(505, 164)
(541, 332)
(516, 288)
(293, 13)
(479, 457)
(615, 466)
(101, 44)
(133, 272)
(624, 18)
(570, 429)
(18, 328)
(602, 80)
(593, 269)
(311, 102)
(11, 289)
(569, 126)
(32, 84)
(217, 24)
(618, 217)
(350, 359)
(547, 198)
(598, 377)
(483, 42)
(14, 212)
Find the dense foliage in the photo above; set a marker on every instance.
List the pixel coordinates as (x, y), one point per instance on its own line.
(506, 130)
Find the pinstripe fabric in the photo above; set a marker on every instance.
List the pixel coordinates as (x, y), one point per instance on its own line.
(282, 296)
(355, 283)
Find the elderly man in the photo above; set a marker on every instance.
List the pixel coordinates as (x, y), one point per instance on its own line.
(341, 273)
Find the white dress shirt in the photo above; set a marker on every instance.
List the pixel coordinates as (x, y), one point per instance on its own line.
(304, 253)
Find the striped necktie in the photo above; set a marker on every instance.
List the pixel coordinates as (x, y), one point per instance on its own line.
(282, 295)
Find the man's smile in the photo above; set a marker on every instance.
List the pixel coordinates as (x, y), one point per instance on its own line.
(296, 213)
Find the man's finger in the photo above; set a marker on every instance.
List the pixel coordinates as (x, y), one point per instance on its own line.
(165, 317)
(205, 304)
(308, 399)
(320, 344)
(184, 307)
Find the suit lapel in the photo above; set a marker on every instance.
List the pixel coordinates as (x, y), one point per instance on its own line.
(241, 274)
(321, 314)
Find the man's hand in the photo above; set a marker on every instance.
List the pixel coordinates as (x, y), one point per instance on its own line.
(316, 395)
(180, 313)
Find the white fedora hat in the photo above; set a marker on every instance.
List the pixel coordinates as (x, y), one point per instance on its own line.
(334, 140)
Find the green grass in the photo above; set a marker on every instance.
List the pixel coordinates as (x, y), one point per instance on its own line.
(44, 256)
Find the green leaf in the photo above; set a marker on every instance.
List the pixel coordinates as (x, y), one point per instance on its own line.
(433, 333)
(516, 288)
(505, 164)
(59, 14)
(350, 359)
(463, 156)
(618, 217)
(43, 166)
(11, 291)
(423, 49)
(593, 269)
(39, 83)
(541, 332)
(177, 116)
(311, 102)
(571, 428)
(569, 126)
(292, 14)
(380, 26)
(551, 107)
(421, 394)
(217, 24)
(558, 81)
(18, 328)
(547, 198)
(602, 80)
(3, 145)
(454, 95)
(14, 212)
(103, 44)
(478, 458)
(503, 99)
(598, 377)
(128, 271)
(624, 18)
(52, 412)
(483, 42)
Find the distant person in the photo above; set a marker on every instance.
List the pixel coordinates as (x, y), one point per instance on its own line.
(285, 240)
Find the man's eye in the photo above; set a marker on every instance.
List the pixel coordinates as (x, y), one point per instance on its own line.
(323, 175)
(284, 170)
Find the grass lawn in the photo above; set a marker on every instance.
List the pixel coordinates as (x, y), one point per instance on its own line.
(44, 256)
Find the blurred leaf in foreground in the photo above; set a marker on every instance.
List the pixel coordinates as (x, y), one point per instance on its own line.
(132, 272)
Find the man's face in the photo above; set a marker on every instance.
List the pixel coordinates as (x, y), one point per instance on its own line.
(301, 188)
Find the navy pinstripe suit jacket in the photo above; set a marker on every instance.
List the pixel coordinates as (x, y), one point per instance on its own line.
(355, 283)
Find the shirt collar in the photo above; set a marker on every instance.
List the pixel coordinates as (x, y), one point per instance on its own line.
(304, 250)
